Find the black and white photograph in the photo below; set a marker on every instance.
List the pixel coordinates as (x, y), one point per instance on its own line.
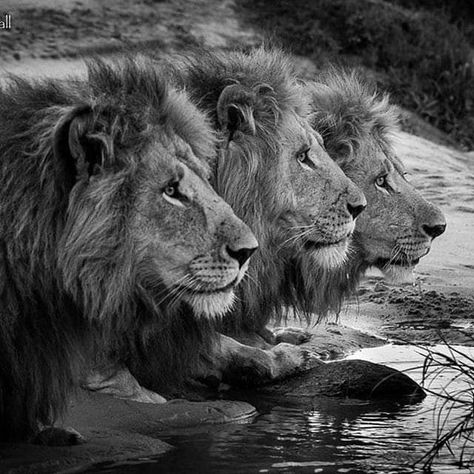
(237, 236)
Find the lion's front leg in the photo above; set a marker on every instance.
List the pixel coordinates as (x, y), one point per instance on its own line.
(117, 381)
(245, 365)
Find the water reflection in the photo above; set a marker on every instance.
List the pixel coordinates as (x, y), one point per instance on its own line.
(333, 435)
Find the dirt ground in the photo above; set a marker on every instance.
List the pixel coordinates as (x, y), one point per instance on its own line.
(50, 37)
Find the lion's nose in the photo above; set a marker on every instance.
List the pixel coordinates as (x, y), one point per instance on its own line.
(354, 211)
(433, 231)
(356, 201)
(241, 254)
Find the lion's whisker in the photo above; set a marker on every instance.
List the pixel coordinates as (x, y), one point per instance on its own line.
(295, 238)
(175, 289)
(177, 297)
(252, 279)
(296, 227)
(396, 251)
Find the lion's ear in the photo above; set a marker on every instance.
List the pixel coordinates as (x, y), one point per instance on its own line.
(235, 110)
(77, 145)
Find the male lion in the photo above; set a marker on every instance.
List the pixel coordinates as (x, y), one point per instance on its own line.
(274, 172)
(399, 225)
(108, 224)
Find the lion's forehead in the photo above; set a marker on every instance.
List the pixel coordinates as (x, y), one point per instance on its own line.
(296, 131)
(170, 154)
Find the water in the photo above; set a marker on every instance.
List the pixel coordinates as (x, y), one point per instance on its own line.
(332, 435)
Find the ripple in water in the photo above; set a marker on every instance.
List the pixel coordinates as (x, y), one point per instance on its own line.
(332, 436)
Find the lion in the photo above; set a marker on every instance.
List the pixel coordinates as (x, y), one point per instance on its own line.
(358, 126)
(109, 226)
(273, 170)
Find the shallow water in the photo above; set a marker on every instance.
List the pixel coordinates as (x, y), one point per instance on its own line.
(333, 435)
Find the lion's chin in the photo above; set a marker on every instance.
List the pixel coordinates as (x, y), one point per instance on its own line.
(332, 255)
(211, 305)
(399, 273)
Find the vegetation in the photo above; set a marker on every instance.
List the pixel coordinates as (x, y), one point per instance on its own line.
(419, 50)
(455, 434)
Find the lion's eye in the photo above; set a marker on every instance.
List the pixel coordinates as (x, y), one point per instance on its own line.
(304, 160)
(171, 189)
(172, 194)
(381, 181)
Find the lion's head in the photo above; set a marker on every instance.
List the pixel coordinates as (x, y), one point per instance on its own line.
(142, 199)
(357, 125)
(272, 169)
(319, 217)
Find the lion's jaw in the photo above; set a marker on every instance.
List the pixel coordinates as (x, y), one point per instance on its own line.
(210, 291)
(398, 259)
(211, 305)
(329, 256)
(328, 245)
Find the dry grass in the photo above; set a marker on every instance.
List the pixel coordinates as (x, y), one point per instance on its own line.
(455, 404)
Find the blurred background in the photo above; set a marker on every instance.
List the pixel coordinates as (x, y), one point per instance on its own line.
(419, 50)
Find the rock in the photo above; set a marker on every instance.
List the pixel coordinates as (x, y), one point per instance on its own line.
(348, 378)
(105, 412)
(101, 445)
(116, 430)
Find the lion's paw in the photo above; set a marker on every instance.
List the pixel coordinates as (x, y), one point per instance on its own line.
(291, 359)
(291, 335)
(143, 395)
(53, 436)
(120, 383)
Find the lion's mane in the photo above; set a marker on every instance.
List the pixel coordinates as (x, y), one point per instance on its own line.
(66, 269)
